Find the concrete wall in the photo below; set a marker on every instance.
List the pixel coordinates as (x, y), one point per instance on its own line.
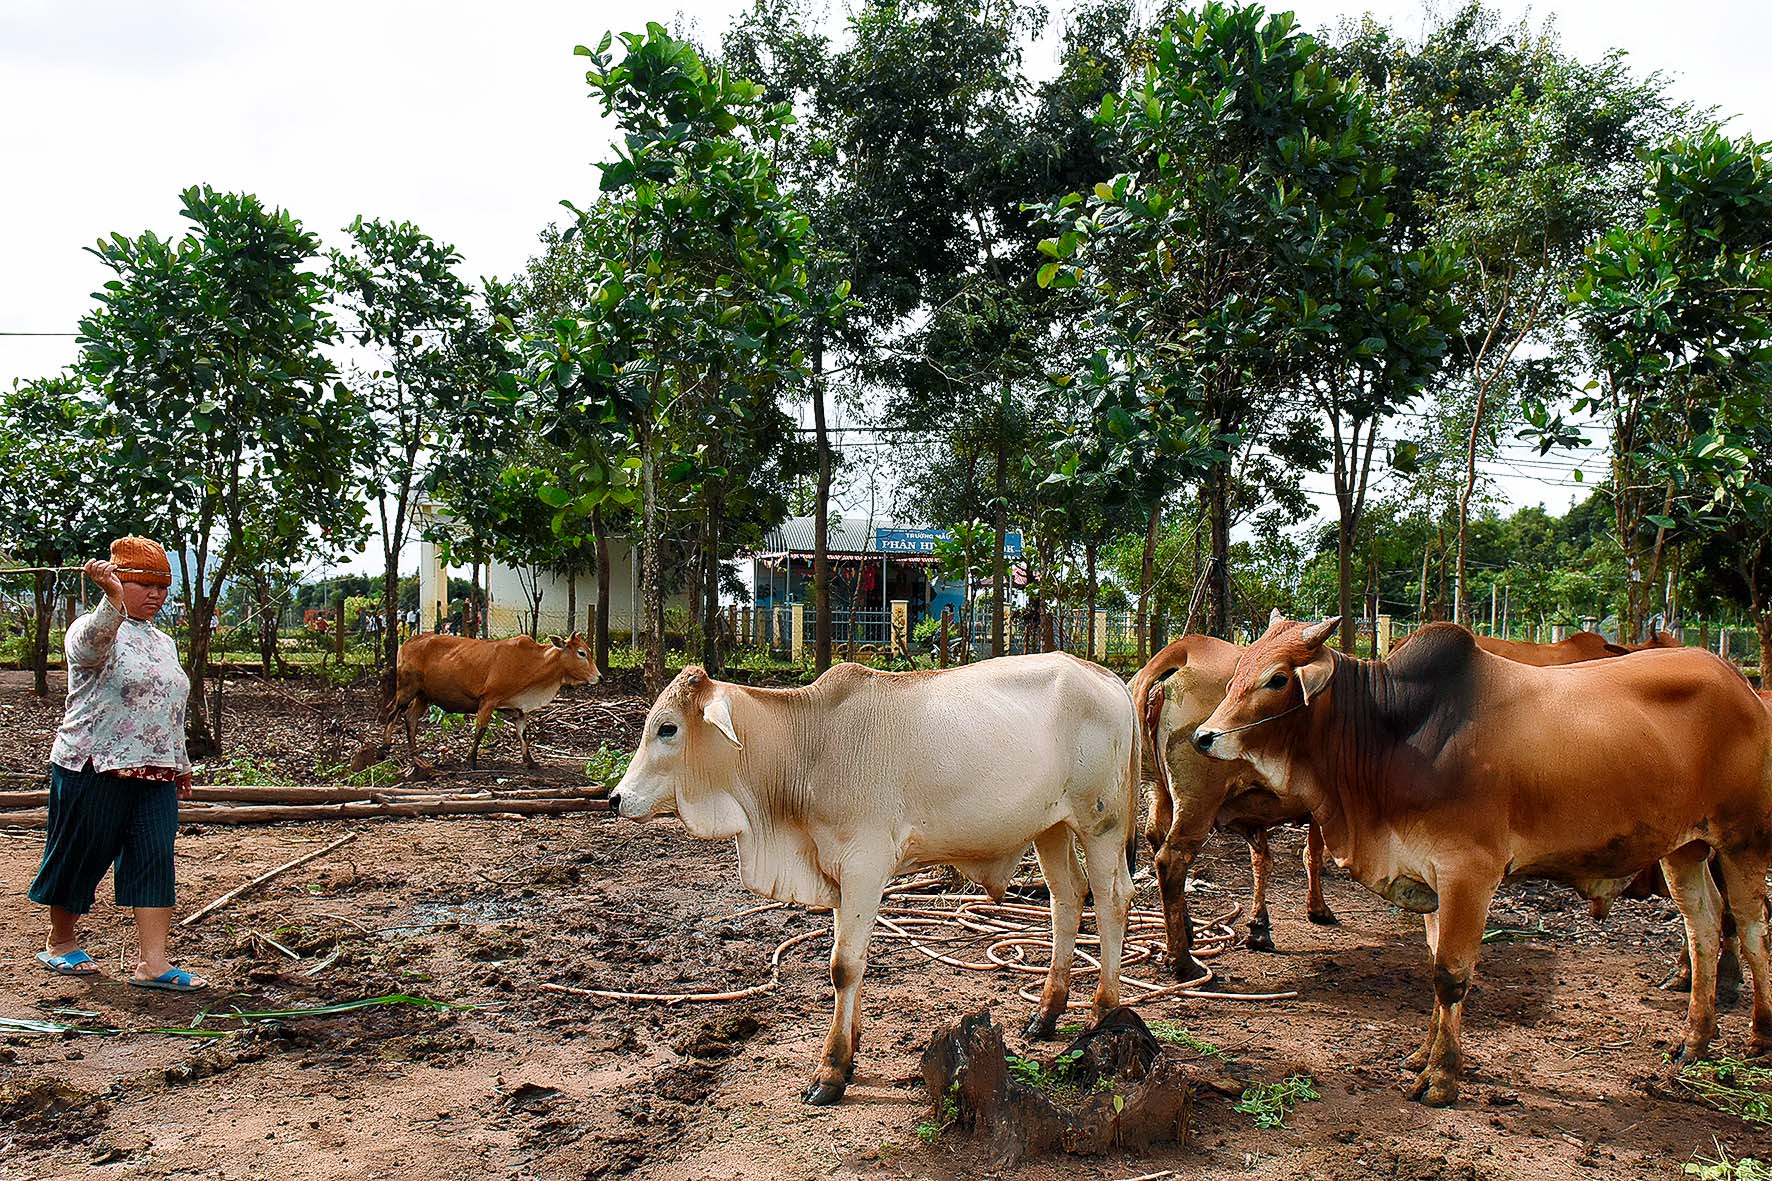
(508, 601)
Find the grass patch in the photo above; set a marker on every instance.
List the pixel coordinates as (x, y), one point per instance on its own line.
(1176, 1034)
(1271, 1103)
(1721, 1168)
(1734, 1087)
(608, 765)
(1055, 1078)
(245, 772)
(947, 1110)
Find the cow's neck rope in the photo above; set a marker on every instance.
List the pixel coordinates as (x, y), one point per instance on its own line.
(1291, 709)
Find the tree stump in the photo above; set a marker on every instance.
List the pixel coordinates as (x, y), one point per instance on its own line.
(1113, 1087)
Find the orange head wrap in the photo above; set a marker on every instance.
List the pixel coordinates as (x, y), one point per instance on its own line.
(139, 559)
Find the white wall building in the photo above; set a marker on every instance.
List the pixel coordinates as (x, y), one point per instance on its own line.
(507, 599)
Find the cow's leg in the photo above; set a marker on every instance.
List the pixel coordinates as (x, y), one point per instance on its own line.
(1464, 909)
(523, 740)
(1162, 820)
(1111, 883)
(1417, 1061)
(1064, 881)
(1728, 963)
(1315, 908)
(1261, 934)
(414, 711)
(1689, 881)
(1173, 862)
(853, 920)
(482, 719)
(1744, 887)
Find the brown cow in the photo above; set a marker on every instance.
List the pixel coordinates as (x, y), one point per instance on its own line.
(1194, 794)
(461, 675)
(1658, 640)
(1446, 770)
(1575, 649)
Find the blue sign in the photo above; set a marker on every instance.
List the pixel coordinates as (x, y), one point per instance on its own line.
(922, 541)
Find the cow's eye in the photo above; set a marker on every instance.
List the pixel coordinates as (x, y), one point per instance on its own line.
(668, 730)
(1277, 682)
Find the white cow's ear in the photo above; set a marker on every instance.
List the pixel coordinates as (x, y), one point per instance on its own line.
(719, 712)
(1313, 678)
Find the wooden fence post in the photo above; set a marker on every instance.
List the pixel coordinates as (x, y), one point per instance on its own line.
(1099, 655)
(797, 637)
(941, 642)
(1382, 638)
(901, 628)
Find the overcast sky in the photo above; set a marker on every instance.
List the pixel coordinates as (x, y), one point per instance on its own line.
(472, 121)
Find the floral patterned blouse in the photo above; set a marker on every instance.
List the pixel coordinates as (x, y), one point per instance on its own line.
(126, 696)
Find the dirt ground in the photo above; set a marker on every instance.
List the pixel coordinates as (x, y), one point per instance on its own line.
(1566, 1034)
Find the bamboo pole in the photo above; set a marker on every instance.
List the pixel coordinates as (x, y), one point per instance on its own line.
(328, 794)
(278, 813)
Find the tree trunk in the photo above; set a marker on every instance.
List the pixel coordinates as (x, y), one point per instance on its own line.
(469, 621)
(267, 623)
(1147, 574)
(571, 601)
(999, 597)
(200, 739)
(821, 515)
(1427, 550)
(1218, 579)
(710, 595)
(1344, 568)
(649, 568)
(600, 641)
(1763, 625)
(45, 602)
(390, 619)
(1089, 567)
(338, 629)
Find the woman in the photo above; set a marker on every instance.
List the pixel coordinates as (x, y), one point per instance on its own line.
(118, 769)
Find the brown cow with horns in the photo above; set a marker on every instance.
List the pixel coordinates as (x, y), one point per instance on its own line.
(1446, 770)
(1194, 795)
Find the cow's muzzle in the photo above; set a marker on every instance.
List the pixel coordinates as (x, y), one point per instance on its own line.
(615, 803)
(1204, 738)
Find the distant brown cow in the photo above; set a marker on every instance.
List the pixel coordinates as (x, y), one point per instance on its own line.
(1658, 640)
(1444, 771)
(460, 675)
(1194, 794)
(1576, 649)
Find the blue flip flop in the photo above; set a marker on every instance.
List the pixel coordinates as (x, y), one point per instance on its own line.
(171, 980)
(68, 963)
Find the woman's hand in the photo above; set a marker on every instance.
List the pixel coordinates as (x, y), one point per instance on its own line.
(104, 575)
(184, 786)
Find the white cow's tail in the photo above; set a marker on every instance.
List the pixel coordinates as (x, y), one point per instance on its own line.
(1134, 789)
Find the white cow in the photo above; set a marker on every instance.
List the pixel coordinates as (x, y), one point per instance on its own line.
(832, 789)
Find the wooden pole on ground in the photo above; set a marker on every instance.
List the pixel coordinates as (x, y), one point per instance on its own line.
(262, 878)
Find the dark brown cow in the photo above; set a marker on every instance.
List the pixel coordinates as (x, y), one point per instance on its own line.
(1446, 770)
(461, 675)
(1175, 692)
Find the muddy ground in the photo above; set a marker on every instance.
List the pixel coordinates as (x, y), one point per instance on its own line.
(1566, 1034)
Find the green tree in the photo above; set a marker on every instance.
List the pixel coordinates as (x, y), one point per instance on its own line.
(58, 510)
(1674, 313)
(1511, 150)
(1239, 138)
(713, 278)
(206, 353)
(411, 311)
